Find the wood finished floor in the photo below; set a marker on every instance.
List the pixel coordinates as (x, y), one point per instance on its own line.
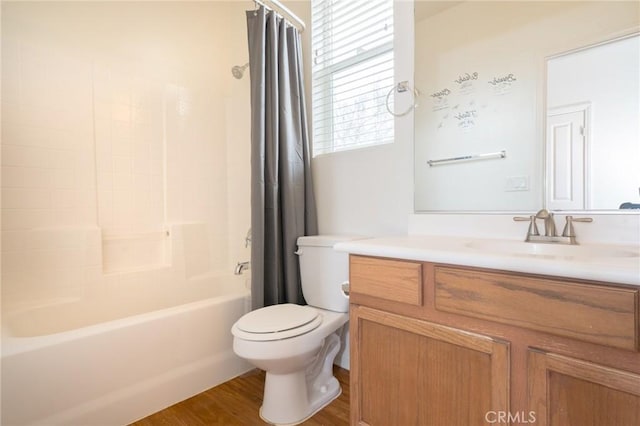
(238, 401)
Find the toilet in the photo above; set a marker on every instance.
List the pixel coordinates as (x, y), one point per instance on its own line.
(296, 345)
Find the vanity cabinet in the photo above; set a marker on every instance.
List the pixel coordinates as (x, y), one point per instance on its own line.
(435, 344)
(565, 391)
(406, 362)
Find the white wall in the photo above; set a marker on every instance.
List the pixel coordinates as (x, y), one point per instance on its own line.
(118, 121)
(370, 191)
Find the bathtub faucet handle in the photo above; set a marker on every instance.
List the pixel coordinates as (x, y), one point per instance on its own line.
(247, 239)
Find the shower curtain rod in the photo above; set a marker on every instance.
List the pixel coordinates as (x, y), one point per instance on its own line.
(279, 7)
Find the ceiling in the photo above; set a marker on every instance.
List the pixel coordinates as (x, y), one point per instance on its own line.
(426, 8)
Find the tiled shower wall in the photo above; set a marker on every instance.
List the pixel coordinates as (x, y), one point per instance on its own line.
(121, 120)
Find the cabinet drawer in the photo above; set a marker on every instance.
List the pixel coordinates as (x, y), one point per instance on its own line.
(593, 313)
(395, 280)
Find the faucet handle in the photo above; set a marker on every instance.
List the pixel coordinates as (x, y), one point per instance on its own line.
(568, 227)
(247, 239)
(533, 228)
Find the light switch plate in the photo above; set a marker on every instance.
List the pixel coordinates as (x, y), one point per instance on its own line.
(516, 183)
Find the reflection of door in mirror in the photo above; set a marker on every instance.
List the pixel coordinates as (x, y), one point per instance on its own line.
(593, 131)
(566, 157)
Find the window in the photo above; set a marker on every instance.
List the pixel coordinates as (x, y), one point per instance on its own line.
(352, 73)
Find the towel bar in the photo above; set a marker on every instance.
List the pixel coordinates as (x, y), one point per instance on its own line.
(501, 154)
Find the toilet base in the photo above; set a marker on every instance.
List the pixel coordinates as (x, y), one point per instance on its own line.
(276, 414)
(290, 399)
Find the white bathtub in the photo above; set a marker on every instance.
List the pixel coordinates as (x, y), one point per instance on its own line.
(118, 356)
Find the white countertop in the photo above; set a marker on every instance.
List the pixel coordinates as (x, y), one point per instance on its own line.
(566, 262)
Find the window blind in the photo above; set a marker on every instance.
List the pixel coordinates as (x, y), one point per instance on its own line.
(352, 73)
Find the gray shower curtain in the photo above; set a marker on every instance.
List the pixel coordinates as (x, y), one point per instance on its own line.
(282, 201)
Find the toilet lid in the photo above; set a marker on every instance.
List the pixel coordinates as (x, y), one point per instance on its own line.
(277, 322)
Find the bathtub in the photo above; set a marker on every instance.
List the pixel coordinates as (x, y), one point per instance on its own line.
(114, 357)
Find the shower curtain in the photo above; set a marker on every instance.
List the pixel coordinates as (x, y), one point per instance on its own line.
(282, 200)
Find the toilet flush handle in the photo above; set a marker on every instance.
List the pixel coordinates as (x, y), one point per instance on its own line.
(345, 289)
(298, 252)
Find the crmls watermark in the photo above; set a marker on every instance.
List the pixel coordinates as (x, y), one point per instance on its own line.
(507, 417)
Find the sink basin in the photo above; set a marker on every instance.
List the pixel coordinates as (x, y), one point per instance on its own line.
(564, 251)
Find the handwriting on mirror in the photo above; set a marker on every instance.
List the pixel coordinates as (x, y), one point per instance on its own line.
(469, 85)
(467, 77)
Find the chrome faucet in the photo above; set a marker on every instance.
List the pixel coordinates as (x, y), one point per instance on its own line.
(242, 266)
(550, 235)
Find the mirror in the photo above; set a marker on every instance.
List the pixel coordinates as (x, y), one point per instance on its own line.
(480, 129)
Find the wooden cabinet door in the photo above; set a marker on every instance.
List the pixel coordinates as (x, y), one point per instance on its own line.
(406, 371)
(566, 391)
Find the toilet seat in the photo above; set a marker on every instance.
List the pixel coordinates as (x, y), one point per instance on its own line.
(277, 322)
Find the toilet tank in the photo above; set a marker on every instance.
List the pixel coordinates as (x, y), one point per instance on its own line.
(323, 270)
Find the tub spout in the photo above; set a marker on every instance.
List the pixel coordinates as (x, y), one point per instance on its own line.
(242, 266)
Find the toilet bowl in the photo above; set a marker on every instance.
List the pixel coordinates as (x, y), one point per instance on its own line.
(296, 345)
(299, 377)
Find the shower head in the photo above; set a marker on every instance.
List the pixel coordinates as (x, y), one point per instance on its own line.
(238, 71)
